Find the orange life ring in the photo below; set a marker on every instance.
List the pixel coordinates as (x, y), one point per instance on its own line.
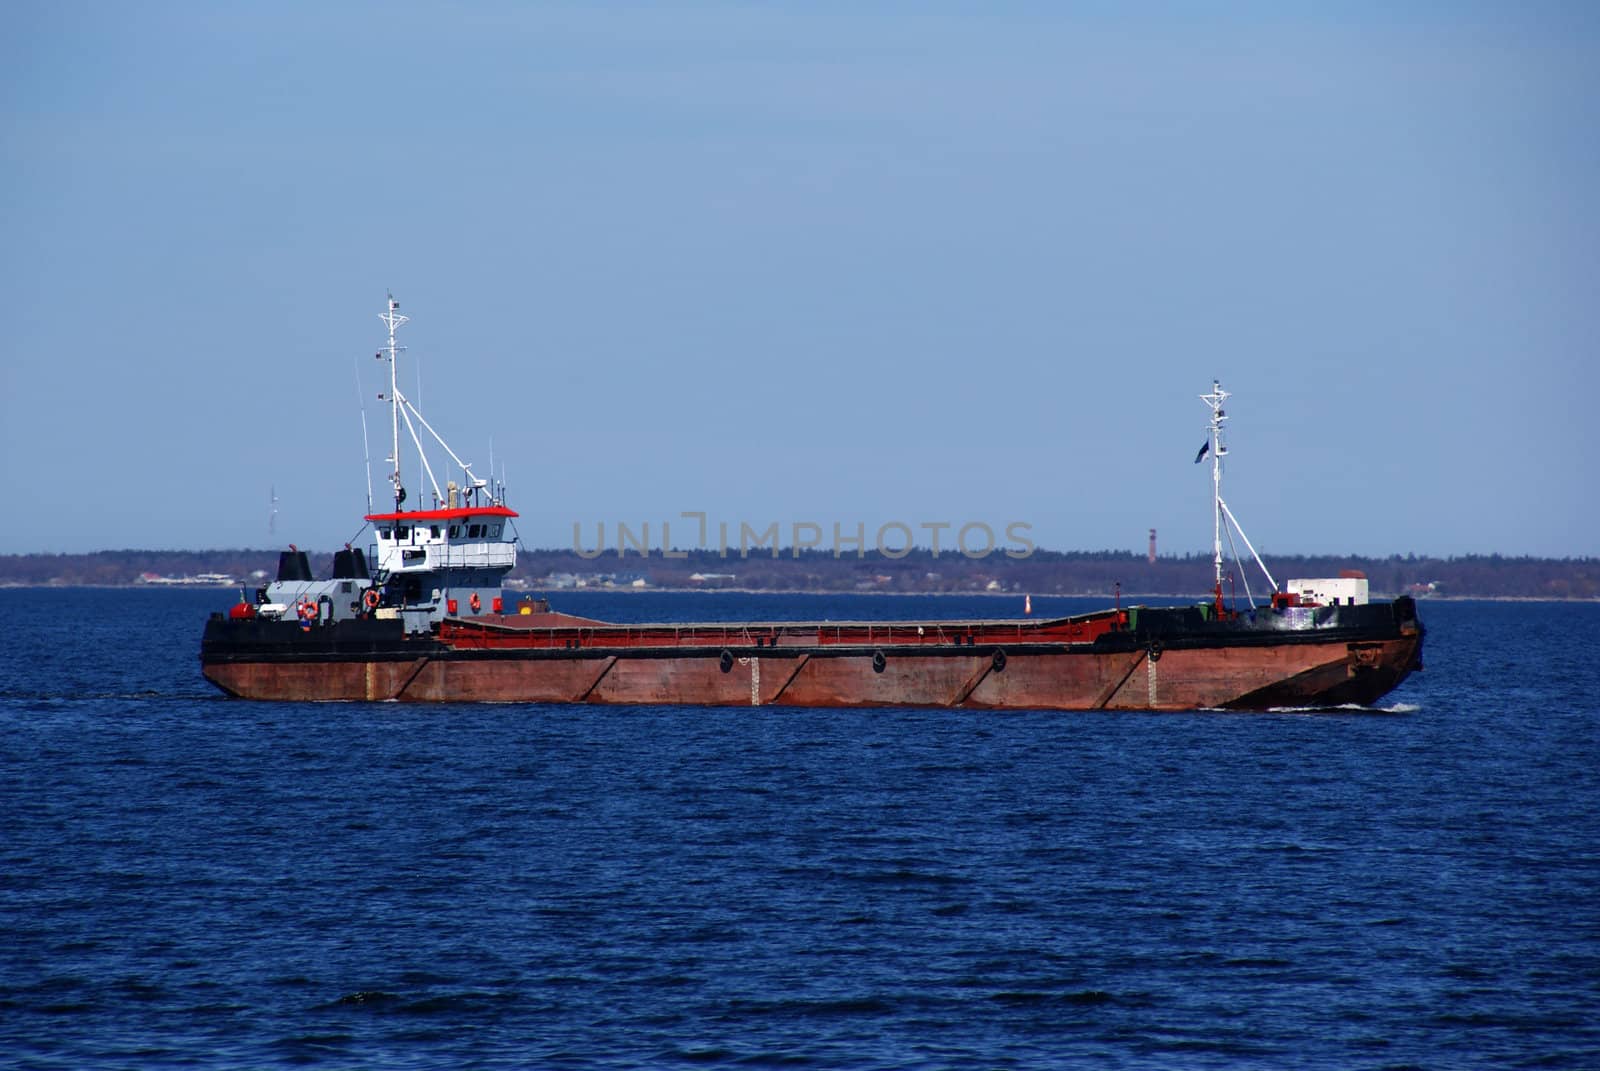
(475, 602)
(307, 610)
(370, 599)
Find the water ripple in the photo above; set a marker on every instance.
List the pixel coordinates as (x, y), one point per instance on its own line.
(187, 881)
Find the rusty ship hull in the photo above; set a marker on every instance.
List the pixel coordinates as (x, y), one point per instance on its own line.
(1137, 658)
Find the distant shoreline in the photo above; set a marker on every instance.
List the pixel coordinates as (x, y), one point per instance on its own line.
(1086, 574)
(556, 593)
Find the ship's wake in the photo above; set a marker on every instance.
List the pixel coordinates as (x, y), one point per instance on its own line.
(1348, 708)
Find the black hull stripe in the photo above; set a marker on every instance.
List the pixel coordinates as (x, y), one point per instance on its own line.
(220, 655)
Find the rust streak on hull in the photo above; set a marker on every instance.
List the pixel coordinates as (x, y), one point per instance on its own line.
(800, 664)
(1110, 690)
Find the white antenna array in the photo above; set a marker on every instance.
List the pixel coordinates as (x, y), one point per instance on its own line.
(1220, 508)
(401, 409)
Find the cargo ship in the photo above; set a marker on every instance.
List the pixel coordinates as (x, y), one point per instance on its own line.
(420, 614)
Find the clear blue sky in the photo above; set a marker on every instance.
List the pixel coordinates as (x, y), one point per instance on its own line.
(832, 262)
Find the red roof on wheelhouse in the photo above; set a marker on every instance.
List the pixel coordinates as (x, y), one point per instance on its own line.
(458, 514)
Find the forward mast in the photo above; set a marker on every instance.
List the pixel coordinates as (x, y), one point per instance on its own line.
(1219, 508)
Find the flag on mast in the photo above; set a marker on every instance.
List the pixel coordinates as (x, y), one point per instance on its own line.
(1204, 450)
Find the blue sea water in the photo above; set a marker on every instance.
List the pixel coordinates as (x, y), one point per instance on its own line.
(187, 880)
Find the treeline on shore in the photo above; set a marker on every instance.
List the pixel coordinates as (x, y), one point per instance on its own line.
(1043, 572)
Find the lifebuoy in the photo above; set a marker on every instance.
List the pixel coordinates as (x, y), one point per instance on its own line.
(475, 602)
(307, 611)
(370, 599)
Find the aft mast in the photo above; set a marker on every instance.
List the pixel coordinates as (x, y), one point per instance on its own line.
(401, 409)
(393, 320)
(447, 557)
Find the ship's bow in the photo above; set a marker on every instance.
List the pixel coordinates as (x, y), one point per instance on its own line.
(1368, 668)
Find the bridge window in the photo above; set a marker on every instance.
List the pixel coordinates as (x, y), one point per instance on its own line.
(493, 531)
(385, 533)
(433, 530)
(474, 531)
(455, 531)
